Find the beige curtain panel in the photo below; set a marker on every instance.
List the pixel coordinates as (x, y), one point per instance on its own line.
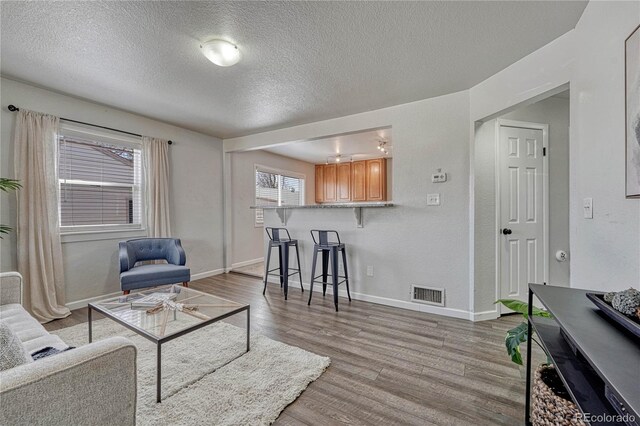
(39, 248)
(156, 177)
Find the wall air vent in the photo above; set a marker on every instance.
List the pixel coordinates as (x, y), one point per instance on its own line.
(429, 295)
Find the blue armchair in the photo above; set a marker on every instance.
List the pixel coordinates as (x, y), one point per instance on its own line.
(133, 277)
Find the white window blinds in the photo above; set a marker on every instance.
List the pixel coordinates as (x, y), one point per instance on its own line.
(100, 183)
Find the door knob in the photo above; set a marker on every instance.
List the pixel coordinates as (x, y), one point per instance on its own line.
(506, 231)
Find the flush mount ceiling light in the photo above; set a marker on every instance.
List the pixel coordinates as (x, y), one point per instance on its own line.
(338, 158)
(221, 52)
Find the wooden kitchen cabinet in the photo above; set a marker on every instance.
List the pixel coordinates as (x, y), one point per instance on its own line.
(344, 182)
(330, 181)
(350, 182)
(376, 177)
(320, 183)
(359, 181)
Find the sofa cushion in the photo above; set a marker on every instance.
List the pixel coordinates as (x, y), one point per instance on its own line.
(12, 351)
(30, 332)
(160, 273)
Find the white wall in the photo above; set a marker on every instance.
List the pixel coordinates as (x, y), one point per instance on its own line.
(605, 250)
(91, 267)
(248, 238)
(410, 243)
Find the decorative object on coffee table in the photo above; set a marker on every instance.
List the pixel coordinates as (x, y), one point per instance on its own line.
(183, 311)
(622, 307)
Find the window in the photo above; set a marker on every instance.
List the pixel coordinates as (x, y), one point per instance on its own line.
(100, 178)
(277, 188)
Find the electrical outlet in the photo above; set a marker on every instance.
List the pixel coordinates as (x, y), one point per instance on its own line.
(369, 270)
(433, 199)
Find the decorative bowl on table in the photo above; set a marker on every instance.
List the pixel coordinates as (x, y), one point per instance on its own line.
(622, 307)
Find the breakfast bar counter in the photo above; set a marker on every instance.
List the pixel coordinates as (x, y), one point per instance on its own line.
(357, 209)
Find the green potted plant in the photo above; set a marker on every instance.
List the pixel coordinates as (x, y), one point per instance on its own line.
(7, 185)
(550, 401)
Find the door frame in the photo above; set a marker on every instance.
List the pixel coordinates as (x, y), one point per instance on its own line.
(501, 122)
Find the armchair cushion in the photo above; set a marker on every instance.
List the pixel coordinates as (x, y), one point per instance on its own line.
(150, 275)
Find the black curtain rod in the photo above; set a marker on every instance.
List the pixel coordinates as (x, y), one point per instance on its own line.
(14, 108)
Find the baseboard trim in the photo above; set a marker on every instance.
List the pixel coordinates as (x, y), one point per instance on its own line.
(84, 302)
(486, 315)
(207, 274)
(247, 263)
(295, 284)
(419, 307)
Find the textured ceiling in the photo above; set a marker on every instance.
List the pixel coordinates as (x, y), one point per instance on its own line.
(359, 146)
(302, 61)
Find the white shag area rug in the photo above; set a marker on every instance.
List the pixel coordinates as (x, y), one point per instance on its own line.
(202, 381)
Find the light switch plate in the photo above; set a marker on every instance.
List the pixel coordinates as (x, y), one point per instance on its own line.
(433, 199)
(439, 177)
(369, 270)
(588, 208)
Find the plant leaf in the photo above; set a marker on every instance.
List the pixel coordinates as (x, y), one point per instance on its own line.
(4, 229)
(523, 308)
(512, 341)
(7, 184)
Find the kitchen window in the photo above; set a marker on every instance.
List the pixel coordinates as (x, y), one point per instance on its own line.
(277, 188)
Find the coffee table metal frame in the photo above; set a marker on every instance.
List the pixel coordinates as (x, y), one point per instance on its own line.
(159, 341)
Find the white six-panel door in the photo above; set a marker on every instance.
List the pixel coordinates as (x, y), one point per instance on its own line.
(522, 210)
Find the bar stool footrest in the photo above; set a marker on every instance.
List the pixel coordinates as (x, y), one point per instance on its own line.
(315, 280)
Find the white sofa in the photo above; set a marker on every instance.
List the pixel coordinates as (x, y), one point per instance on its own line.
(92, 384)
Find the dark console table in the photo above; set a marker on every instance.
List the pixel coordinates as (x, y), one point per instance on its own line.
(598, 361)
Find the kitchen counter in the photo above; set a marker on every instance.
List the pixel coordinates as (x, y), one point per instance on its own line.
(330, 206)
(357, 209)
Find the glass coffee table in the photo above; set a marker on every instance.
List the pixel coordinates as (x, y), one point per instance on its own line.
(161, 314)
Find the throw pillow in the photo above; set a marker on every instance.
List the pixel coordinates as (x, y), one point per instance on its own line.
(12, 351)
(48, 351)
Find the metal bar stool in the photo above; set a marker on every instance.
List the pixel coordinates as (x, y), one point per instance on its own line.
(283, 244)
(329, 249)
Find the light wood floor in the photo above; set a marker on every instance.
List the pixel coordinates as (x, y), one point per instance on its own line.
(388, 365)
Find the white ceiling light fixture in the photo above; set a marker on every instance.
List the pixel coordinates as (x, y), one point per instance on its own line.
(221, 52)
(338, 158)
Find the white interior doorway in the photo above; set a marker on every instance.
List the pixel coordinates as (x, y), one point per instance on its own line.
(522, 200)
(490, 245)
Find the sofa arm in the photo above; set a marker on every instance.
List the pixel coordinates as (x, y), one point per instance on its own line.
(10, 288)
(93, 384)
